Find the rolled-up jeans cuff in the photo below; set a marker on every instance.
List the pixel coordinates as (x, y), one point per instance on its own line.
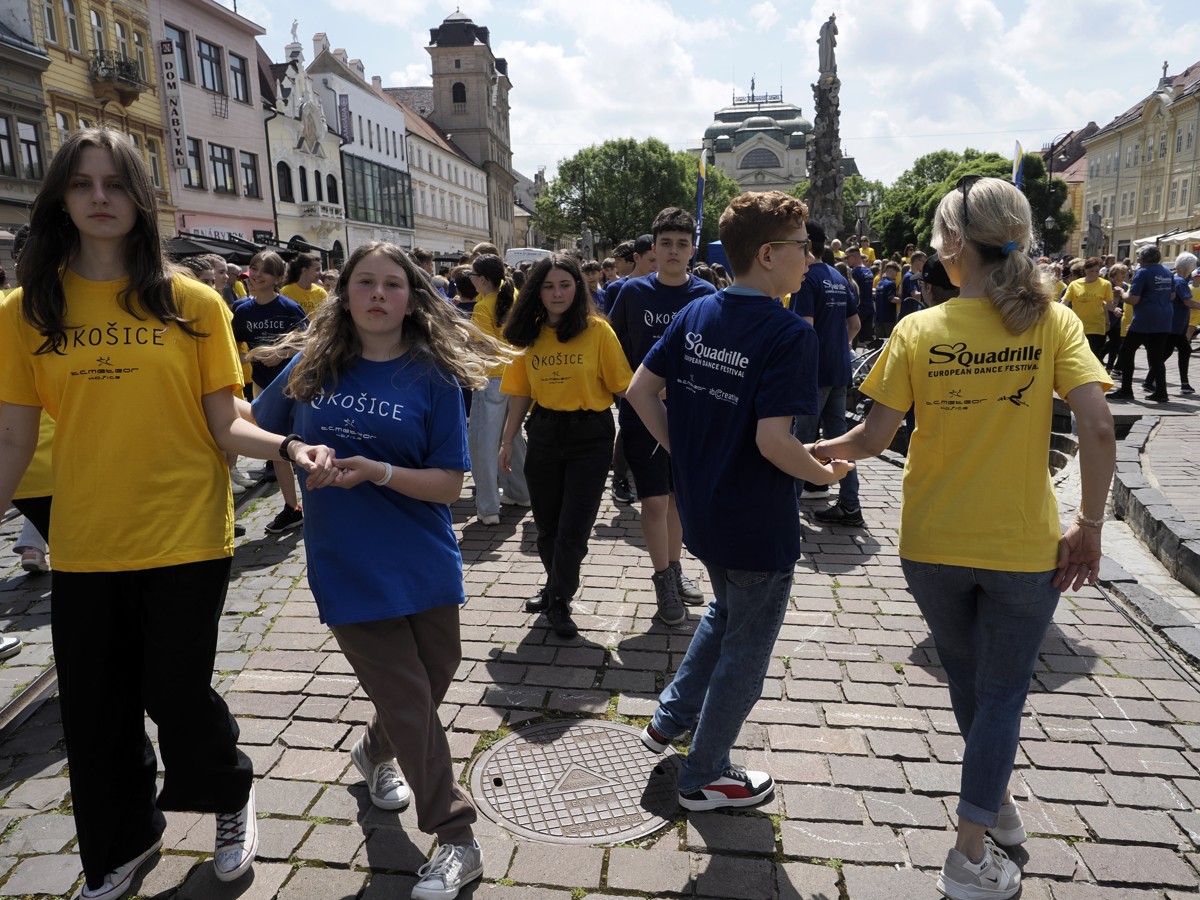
(973, 813)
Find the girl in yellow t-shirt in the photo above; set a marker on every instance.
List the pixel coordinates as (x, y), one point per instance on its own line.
(572, 367)
(981, 544)
(300, 284)
(489, 407)
(138, 368)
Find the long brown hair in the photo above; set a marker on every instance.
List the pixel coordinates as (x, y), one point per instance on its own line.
(54, 240)
(433, 328)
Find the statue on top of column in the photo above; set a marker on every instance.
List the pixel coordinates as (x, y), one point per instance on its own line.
(825, 44)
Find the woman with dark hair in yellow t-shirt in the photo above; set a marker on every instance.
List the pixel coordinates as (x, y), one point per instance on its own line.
(980, 540)
(137, 365)
(572, 367)
(300, 283)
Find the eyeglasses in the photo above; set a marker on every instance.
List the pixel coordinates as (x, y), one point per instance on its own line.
(804, 245)
(964, 184)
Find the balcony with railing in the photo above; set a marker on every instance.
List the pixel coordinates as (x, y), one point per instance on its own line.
(115, 76)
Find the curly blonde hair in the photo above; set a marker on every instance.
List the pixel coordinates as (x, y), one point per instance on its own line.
(432, 328)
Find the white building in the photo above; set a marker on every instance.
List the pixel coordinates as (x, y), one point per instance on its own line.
(377, 187)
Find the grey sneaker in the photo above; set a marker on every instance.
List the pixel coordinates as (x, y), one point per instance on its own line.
(384, 782)
(453, 866)
(995, 877)
(1009, 830)
(670, 605)
(688, 592)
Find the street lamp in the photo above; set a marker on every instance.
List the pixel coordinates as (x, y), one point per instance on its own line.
(862, 226)
(1049, 223)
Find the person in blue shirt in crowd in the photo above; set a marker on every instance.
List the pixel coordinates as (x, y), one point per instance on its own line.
(644, 308)
(885, 300)
(826, 301)
(738, 367)
(862, 278)
(1150, 295)
(377, 376)
(591, 277)
(910, 286)
(1182, 305)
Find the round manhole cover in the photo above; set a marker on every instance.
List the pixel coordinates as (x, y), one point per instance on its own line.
(576, 782)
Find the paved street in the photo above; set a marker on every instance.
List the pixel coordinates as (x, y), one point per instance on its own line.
(854, 724)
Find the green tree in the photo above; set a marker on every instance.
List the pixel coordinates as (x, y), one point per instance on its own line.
(615, 188)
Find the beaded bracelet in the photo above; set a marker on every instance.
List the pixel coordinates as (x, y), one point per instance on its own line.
(1081, 519)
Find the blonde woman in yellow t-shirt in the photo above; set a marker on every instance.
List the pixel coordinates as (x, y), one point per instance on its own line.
(981, 544)
(572, 366)
(489, 407)
(137, 365)
(300, 282)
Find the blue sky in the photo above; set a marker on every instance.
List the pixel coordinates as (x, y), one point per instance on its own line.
(939, 74)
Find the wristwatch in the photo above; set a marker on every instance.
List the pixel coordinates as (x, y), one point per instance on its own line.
(287, 442)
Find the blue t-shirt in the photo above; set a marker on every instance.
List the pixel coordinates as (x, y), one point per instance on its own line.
(1180, 294)
(885, 293)
(612, 289)
(826, 298)
(910, 290)
(644, 308)
(257, 324)
(1152, 313)
(374, 553)
(730, 359)
(863, 277)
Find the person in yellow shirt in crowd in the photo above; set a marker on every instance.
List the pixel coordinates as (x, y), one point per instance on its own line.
(864, 244)
(988, 582)
(1091, 297)
(572, 367)
(300, 282)
(489, 407)
(1119, 316)
(138, 368)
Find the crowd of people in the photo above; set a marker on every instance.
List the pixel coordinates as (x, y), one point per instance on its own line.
(375, 388)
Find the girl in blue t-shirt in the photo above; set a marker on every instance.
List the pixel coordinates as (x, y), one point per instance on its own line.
(378, 374)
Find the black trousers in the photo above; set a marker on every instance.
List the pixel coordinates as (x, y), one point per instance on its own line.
(1156, 344)
(1097, 342)
(1179, 343)
(37, 511)
(566, 468)
(129, 644)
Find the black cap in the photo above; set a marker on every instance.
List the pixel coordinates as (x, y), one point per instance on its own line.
(935, 273)
(643, 244)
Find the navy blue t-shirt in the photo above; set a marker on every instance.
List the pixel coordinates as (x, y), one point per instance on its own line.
(1152, 313)
(644, 308)
(612, 289)
(730, 359)
(865, 280)
(372, 552)
(1181, 292)
(910, 289)
(885, 293)
(257, 324)
(826, 298)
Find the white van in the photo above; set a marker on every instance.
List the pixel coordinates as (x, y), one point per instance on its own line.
(517, 255)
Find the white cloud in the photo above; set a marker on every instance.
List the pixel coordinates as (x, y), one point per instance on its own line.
(764, 15)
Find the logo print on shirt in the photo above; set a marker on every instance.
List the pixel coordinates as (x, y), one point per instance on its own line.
(723, 359)
(104, 370)
(1017, 398)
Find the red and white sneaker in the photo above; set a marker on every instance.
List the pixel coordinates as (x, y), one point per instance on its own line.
(735, 787)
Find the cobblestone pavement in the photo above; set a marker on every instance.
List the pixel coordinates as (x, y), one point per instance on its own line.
(854, 723)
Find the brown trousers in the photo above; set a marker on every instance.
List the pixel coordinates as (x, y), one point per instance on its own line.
(406, 665)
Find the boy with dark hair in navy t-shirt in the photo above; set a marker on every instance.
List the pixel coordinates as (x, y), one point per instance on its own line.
(737, 367)
(643, 310)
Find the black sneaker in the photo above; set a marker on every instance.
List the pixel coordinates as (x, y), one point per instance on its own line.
(239, 530)
(1158, 397)
(735, 787)
(839, 515)
(688, 592)
(537, 603)
(559, 615)
(1119, 395)
(1186, 389)
(288, 518)
(622, 491)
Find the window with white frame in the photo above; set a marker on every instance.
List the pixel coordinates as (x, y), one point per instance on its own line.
(71, 25)
(99, 44)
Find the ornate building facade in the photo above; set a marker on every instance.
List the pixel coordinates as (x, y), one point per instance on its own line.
(760, 142)
(24, 144)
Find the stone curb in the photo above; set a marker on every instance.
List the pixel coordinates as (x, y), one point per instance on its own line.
(1164, 532)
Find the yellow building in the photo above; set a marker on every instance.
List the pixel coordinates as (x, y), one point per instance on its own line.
(102, 72)
(1143, 172)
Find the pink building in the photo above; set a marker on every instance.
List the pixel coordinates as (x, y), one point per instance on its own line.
(216, 153)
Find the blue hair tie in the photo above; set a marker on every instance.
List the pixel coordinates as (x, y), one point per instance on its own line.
(1008, 248)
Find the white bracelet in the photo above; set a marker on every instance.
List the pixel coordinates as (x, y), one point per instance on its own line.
(1081, 519)
(387, 475)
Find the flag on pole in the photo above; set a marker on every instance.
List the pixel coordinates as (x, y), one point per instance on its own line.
(699, 203)
(1018, 175)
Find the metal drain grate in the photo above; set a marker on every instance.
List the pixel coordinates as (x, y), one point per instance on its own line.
(576, 782)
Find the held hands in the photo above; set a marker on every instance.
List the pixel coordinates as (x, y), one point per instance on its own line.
(1078, 557)
(838, 468)
(315, 459)
(351, 471)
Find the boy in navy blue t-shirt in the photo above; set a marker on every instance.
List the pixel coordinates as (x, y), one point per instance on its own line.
(643, 310)
(737, 367)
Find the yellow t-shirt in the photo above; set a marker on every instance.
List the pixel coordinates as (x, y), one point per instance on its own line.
(239, 289)
(1059, 288)
(38, 481)
(1090, 302)
(484, 317)
(977, 488)
(1126, 313)
(309, 300)
(583, 373)
(139, 482)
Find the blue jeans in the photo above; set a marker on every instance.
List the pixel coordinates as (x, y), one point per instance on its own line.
(489, 408)
(988, 626)
(721, 676)
(831, 417)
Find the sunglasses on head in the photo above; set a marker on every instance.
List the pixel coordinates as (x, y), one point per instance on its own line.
(964, 184)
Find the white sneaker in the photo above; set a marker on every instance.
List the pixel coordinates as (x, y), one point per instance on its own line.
(236, 488)
(506, 500)
(237, 476)
(453, 866)
(384, 782)
(9, 646)
(821, 493)
(117, 882)
(1009, 829)
(237, 842)
(33, 561)
(995, 877)
(489, 520)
